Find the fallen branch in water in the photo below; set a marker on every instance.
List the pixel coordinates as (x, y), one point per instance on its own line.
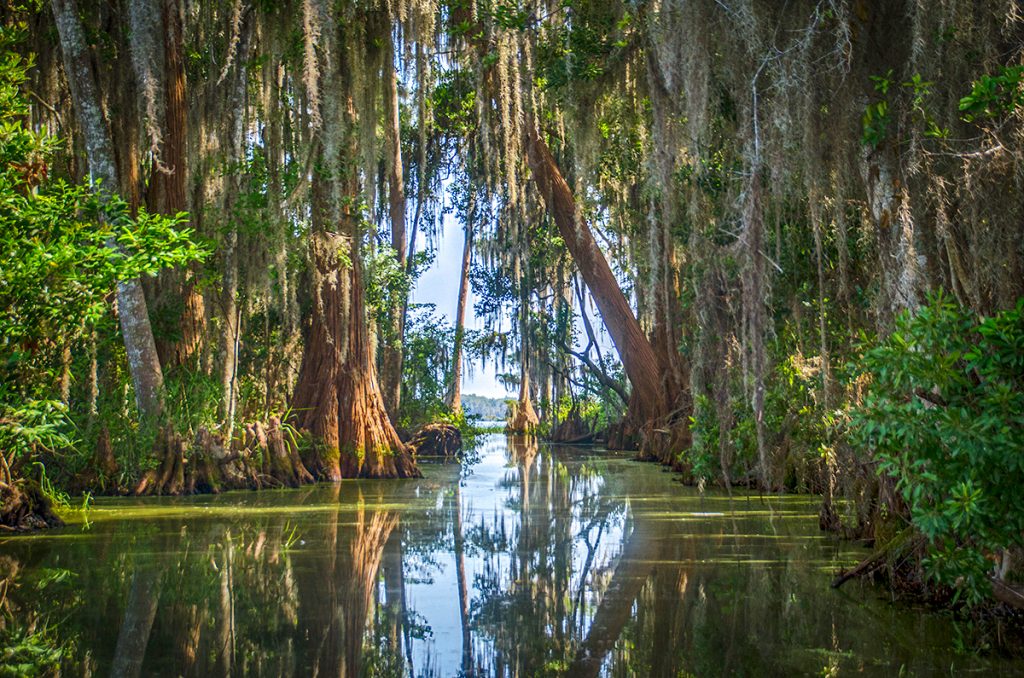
(878, 558)
(1007, 594)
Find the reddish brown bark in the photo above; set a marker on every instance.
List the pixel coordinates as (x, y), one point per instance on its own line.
(175, 290)
(337, 398)
(334, 609)
(315, 401)
(652, 396)
(369, 444)
(260, 456)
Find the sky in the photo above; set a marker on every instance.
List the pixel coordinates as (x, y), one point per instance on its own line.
(439, 285)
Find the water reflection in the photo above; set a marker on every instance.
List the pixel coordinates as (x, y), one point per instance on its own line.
(532, 561)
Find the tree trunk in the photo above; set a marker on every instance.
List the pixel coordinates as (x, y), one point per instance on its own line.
(640, 361)
(176, 291)
(524, 418)
(316, 394)
(370, 445)
(143, 360)
(394, 594)
(392, 359)
(230, 307)
(889, 207)
(632, 571)
(333, 610)
(468, 663)
(753, 289)
(460, 317)
(338, 397)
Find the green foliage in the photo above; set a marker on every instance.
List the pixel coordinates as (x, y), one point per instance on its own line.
(586, 47)
(594, 411)
(711, 173)
(63, 252)
(193, 400)
(993, 96)
(31, 645)
(702, 456)
(508, 15)
(454, 102)
(426, 368)
(945, 415)
(29, 425)
(387, 282)
(877, 120)
(29, 652)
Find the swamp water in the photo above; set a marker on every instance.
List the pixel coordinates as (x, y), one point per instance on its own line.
(527, 561)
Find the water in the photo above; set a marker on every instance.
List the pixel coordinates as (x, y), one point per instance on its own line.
(530, 561)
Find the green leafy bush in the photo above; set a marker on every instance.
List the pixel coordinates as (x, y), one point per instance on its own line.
(944, 412)
(60, 263)
(993, 96)
(702, 456)
(426, 370)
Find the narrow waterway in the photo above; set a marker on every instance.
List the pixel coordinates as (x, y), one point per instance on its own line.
(528, 560)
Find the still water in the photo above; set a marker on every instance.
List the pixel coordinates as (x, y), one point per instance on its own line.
(527, 561)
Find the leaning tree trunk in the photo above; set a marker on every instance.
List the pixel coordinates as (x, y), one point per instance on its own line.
(653, 398)
(143, 359)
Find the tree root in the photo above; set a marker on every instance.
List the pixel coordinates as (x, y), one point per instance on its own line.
(280, 459)
(437, 440)
(572, 430)
(262, 456)
(24, 507)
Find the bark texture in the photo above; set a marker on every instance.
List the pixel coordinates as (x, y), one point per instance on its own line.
(392, 359)
(653, 399)
(176, 296)
(460, 321)
(143, 359)
(337, 398)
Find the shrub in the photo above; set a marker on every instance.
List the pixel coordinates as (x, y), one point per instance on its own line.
(944, 413)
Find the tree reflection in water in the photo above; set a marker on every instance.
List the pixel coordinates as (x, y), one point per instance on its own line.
(532, 561)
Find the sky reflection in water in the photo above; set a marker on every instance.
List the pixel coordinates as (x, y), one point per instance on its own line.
(530, 561)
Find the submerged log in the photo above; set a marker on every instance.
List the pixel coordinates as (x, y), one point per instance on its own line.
(879, 558)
